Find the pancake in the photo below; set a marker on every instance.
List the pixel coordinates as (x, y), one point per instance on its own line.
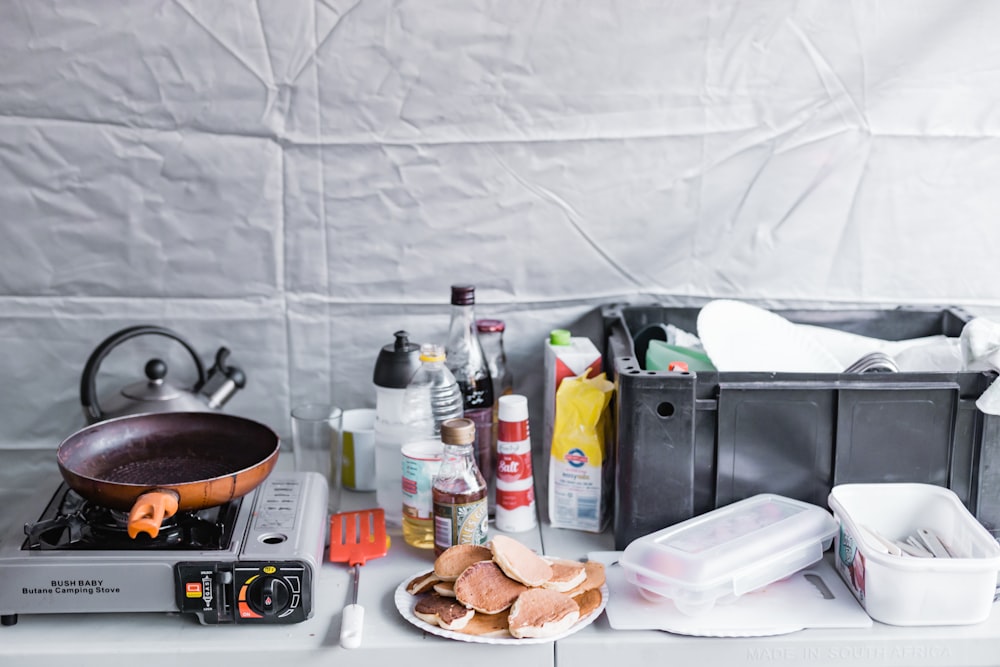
(595, 578)
(444, 612)
(445, 589)
(566, 575)
(422, 584)
(455, 559)
(588, 601)
(540, 612)
(519, 562)
(484, 587)
(487, 625)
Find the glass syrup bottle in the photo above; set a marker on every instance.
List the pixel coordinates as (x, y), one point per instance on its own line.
(459, 490)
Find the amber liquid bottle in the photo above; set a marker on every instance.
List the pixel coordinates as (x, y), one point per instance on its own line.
(459, 490)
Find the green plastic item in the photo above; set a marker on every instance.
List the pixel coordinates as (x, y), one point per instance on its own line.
(560, 337)
(659, 355)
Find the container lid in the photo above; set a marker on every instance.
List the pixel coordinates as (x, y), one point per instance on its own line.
(424, 450)
(459, 431)
(729, 551)
(463, 295)
(512, 408)
(560, 337)
(490, 326)
(397, 362)
(432, 352)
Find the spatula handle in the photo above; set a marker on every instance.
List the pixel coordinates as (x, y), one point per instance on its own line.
(352, 623)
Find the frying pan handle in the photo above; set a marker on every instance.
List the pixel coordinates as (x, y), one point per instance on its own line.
(88, 382)
(149, 511)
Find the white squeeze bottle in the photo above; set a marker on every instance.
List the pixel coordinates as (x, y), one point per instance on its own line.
(515, 483)
(401, 416)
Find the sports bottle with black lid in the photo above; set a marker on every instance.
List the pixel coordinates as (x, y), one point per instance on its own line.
(401, 416)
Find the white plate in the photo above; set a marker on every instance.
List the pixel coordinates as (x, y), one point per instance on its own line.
(740, 337)
(406, 602)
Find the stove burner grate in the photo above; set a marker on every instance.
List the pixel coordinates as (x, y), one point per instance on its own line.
(70, 522)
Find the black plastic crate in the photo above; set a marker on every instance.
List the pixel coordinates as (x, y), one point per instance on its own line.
(687, 443)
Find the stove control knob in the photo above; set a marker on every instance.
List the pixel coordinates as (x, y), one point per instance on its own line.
(268, 595)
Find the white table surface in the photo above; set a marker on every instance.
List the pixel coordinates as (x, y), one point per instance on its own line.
(152, 639)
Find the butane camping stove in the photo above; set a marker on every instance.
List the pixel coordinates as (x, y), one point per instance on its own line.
(252, 560)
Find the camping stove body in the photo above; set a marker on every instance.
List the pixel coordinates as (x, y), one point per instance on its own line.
(252, 560)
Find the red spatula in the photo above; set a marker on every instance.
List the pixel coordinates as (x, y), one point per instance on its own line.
(355, 537)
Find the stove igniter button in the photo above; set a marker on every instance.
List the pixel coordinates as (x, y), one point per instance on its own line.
(268, 595)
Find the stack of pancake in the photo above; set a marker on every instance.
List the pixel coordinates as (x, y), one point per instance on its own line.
(506, 590)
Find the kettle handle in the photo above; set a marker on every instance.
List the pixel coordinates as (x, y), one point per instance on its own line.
(88, 382)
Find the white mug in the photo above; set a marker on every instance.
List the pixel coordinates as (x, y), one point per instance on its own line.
(358, 438)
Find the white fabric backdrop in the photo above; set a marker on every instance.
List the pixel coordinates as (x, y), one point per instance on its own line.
(297, 180)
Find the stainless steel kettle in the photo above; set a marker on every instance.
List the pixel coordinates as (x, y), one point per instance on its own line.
(155, 394)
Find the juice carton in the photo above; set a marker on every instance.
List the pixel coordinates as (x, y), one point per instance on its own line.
(565, 356)
(580, 464)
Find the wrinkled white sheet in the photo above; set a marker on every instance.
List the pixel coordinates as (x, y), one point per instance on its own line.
(299, 180)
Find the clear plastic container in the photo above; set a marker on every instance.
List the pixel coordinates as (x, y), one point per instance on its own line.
(956, 589)
(730, 551)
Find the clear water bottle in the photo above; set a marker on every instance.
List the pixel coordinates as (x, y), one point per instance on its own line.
(443, 392)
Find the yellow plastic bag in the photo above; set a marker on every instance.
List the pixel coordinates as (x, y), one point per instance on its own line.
(580, 466)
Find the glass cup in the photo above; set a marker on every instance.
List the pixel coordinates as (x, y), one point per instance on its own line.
(316, 431)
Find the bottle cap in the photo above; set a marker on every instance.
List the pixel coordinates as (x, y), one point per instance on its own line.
(560, 337)
(459, 431)
(397, 362)
(463, 295)
(490, 326)
(432, 352)
(513, 408)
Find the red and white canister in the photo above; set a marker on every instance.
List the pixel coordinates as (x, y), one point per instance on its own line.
(515, 499)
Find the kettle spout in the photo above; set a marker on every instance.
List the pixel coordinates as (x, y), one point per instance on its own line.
(222, 381)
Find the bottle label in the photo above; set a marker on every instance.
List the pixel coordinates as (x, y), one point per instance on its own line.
(460, 524)
(476, 395)
(511, 500)
(513, 431)
(421, 462)
(513, 466)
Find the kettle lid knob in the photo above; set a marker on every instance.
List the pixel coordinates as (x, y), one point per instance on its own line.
(156, 369)
(155, 388)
